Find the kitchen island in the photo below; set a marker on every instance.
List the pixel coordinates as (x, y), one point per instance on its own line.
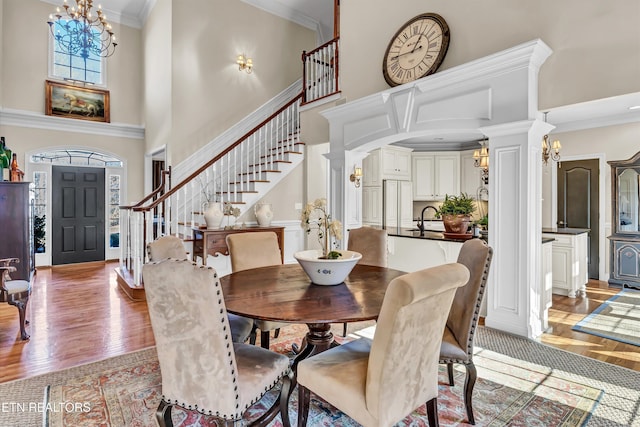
(570, 260)
(409, 251)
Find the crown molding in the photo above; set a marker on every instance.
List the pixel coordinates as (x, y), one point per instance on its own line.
(128, 19)
(276, 8)
(29, 119)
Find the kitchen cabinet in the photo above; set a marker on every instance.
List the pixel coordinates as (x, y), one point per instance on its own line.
(569, 260)
(16, 217)
(435, 175)
(386, 163)
(625, 214)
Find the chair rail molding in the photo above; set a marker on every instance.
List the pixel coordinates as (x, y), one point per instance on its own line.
(494, 96)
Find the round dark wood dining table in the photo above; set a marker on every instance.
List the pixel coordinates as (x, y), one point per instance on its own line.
(284, 293)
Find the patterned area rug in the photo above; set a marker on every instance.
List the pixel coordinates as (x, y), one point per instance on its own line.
(618, 318)
(508, 392)
(125, 391)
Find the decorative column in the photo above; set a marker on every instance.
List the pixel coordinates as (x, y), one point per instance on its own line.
(514, 292)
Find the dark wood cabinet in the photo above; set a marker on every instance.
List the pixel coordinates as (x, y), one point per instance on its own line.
(16, 227)
(625, 219)
(213, 241)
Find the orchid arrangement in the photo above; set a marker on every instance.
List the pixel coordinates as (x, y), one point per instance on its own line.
(315, 216)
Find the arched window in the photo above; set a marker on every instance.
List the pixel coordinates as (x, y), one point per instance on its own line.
(82, 66)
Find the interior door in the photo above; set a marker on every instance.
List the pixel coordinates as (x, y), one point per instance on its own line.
(578, 193)
(78, 214)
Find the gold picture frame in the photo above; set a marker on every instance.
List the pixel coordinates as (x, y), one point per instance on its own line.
(74, 102)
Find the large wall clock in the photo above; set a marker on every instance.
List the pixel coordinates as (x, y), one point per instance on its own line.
(416, 50)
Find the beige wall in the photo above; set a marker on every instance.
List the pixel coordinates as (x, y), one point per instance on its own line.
(157, 76)
(24, 56)
(208, 93)
(591, 40)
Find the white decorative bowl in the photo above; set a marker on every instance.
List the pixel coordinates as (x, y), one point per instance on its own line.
(327, 271)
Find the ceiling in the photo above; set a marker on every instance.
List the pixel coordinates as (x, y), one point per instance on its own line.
(314, 14)
(318, 16)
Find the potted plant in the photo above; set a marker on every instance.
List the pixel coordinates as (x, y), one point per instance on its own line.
(456, 212)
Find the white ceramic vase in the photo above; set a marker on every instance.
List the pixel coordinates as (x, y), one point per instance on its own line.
(213, 214)
(264, 214)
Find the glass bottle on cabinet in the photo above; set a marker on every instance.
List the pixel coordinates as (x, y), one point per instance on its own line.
(625, 240)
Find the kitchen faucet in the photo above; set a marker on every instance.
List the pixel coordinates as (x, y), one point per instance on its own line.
(421, 223)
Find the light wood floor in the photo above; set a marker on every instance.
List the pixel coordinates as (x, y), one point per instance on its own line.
(78, 315)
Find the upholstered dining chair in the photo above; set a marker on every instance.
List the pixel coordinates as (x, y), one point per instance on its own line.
(15, 292)
(372, 244)
(457, 341)
(253, 250)
(202, 369)
(172, 247)
(378, 382)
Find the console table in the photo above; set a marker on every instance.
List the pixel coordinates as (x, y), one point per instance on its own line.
(214, 241)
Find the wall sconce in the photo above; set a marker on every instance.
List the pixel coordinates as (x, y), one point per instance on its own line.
(245, 63)
(356, 176)
(481, 160)
(550, 149)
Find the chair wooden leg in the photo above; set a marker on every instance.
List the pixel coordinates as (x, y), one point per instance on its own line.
(253, 335)
(264, 339)
(450, 372)
(285, 394)
(304, 397)
(344, 329)
(22, 308)
(277, 333)
(432, 412)
(469, 383)
(163, 414)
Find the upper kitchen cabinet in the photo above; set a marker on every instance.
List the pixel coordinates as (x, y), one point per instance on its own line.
(435, 175)
(386, 163)
(625, 240)
(396, 163)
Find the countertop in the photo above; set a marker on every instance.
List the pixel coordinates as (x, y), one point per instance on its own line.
(436, 235)
(415, 234)
(565, 230)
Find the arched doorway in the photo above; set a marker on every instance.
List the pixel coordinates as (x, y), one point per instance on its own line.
(51, 172)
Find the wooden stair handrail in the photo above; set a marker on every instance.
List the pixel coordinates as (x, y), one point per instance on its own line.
(173, 190)
(158, 189)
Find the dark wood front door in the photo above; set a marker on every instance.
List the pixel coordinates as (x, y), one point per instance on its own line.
(78, 214)
(578, 194)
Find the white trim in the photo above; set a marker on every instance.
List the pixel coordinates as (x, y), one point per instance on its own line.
(29, 119)
(148, 163)
(602, 235)
(276, 8)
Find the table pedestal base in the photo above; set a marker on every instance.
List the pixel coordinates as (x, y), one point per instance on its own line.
(318, 339)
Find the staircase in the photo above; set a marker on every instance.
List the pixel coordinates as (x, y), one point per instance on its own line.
(239, 176)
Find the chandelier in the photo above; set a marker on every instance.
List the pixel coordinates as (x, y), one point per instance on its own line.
(84, 34)
(550, 150)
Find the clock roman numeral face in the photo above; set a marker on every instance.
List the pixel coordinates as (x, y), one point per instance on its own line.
(416, 50)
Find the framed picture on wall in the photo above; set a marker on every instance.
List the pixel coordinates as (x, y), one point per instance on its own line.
(76, 102)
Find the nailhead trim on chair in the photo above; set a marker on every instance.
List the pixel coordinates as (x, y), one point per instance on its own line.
(238, 415)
